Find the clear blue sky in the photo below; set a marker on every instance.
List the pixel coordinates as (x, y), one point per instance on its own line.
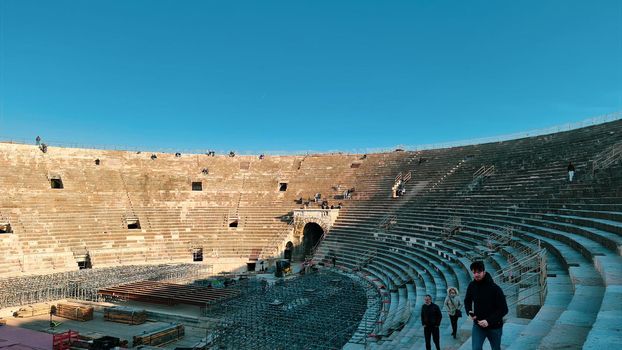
(300, 75)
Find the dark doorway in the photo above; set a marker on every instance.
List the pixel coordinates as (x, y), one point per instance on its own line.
(132, 223)
(197, 254)
(289, 247)
(56, 183)
(282, 186)
(5, 227)
(312, 233)
(84, 262)
(197, 186)
(250, 266)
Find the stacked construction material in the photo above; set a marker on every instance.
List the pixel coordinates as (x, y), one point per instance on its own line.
(124, 314)
(33, 310)
(160, 336)
(74, 311)
(169, 293)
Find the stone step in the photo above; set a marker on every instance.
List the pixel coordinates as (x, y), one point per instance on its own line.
(574, 324)
(606, 331)
(558, 297)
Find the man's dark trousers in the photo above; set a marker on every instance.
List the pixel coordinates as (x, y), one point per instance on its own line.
(431, 331)
(479, 335)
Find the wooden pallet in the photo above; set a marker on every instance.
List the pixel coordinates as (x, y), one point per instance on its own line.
(74, 311)
(32, 310)
(160, 336)
(169, 293)
(123, 314)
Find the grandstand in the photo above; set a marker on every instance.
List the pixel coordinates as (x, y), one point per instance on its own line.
(554, 246)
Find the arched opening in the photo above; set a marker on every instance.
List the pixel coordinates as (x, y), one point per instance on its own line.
(197, 254)
(287, 254)
(56, 182)
(84, 262)
(5, 227)
(233, 223)
(311, 235)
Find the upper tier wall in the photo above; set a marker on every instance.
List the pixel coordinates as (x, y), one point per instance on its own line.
(52, 226)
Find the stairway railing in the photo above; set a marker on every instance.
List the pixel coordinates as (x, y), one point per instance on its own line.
(606, 158)
(528, 272)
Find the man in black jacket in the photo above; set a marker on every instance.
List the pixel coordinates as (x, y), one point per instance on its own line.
(486, 305)
(431, 319)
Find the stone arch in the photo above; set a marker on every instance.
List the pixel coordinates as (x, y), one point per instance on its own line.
(301, 222)
(316, 220)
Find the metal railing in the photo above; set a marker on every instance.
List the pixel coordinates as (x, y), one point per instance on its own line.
(364, 259)
(310, 256)
(484, 171)
(525, 277)
(451, 227)
(606, 158)
(387, 222)
(432, 186)
(408, 176)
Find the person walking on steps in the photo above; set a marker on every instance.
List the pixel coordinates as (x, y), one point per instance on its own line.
(485, 304)
(431, 319)
(454, 307)
(570, 171)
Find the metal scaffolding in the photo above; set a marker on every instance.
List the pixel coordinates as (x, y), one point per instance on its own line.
(84, 284)
(320, 310)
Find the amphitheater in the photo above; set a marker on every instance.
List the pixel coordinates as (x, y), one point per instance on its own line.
(104, 228)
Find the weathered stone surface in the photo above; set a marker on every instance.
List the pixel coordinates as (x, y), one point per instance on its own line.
(584, 275)
(610, 266)
(564, 337)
